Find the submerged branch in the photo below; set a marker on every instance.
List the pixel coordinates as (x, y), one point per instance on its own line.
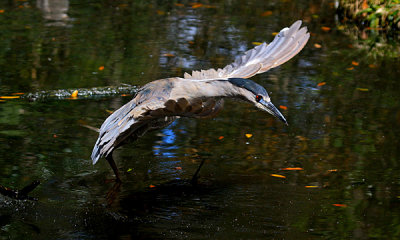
(83, 93)
(19, 194)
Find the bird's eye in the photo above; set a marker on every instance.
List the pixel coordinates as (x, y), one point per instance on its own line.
(259, 98)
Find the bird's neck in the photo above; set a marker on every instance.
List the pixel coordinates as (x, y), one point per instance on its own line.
(203, 89)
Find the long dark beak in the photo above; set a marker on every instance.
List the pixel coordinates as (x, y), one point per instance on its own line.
(269, 107)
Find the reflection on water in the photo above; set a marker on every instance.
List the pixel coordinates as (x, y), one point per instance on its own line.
(343, 132)
(55, 11)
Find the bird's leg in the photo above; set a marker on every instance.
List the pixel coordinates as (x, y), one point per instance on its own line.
(114, 167)
(195, 177)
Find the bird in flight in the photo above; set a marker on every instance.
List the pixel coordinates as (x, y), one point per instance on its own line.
(200, 94)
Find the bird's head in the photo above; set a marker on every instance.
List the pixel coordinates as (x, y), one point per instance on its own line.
(256, 94)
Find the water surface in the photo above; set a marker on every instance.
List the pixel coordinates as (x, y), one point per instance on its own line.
(343, 133)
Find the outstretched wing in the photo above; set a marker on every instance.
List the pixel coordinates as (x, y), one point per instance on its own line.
(260, 59)
(133, 119)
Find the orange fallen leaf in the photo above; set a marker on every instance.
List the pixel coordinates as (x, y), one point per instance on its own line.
(197, 5)
(355, 63)
(17, 93)
(74, 94)
(159, 12)
(101, 68)
(350, 68)
(266, 14)
(372, 66)
(310, 186)
(1, 10)
(9, 97)
(178, 168)
(125, 95)
(55, 136)
(191, 42)
(326, 29)
(179, 4)
(283, 107)
(152, 186)
(339, 205)
(332, 170)
(249, 135)
(274, 33)
(292, 169)
(316, 45)
(277, 175)
(256, 43)
(2, 100)
(109, 111)
(221, 137)
(321, 84)
(168, 55)
(364, 5)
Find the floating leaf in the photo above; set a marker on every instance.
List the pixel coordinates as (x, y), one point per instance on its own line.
(159, 12)
(249, 135)
(274, 33)
(1, 10)
(74, 94)
(310, 186)
(350, 68)
(326, 29)
(17, 93)
(221, 137)
(55, 136)
(152, 186)
(191, 42)
(277, 175)
(339, 205)
(168, 55)
(266, 14)
(321, 84)
(179, 4)
(197, 5)
(109, 111)
(354, 63)
(129, 170)
(256, 43)
(9, 97)
(316, 45)
(178, 168)
(283, 107)
(292, 169)
(101, 68)
(372, 66)
(332, 170)
(363, 89)
(125, 95)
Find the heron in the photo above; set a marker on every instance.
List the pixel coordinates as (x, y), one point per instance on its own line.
(200, 94)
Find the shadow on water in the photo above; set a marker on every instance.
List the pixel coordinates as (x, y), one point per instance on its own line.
(341, 100)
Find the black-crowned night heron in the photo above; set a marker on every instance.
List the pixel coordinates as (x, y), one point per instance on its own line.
(201, 94)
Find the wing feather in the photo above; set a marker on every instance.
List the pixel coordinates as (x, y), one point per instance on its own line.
(261, 58)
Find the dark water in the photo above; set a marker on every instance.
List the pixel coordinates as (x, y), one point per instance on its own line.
(344, 134)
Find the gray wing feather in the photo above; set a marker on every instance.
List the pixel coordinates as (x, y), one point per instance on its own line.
(260, 59)
(132, 117)
(112, 128)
